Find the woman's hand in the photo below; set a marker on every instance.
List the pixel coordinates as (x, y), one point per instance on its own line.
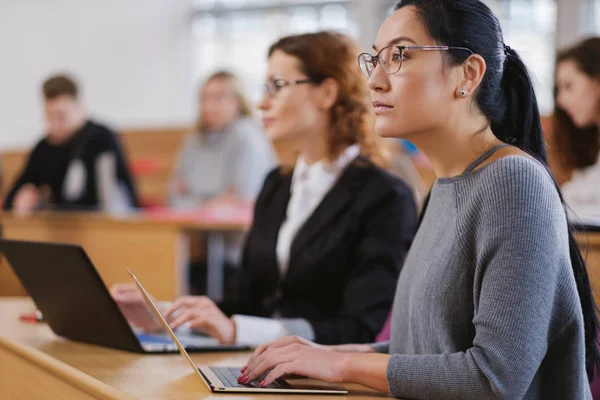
(294, 355)
(26, 199)
(132, 304)
(204, 315)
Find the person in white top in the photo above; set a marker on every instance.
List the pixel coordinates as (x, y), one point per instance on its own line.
(329, 236)
(576, 124)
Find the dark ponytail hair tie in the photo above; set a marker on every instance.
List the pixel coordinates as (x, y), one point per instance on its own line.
(507, 50)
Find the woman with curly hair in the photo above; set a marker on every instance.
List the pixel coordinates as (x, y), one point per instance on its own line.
(330, 235)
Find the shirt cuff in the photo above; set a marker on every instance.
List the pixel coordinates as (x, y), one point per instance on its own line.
(254, 331)
(299, 327)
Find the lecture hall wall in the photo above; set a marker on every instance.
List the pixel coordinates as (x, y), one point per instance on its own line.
(132, 58)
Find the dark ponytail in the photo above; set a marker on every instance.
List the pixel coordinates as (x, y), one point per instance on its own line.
(520, 123)
(506, 96)
(523, 118)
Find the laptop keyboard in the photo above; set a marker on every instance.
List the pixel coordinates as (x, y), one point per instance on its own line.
(229, 378)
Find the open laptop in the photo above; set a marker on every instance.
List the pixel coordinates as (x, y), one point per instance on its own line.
(67, 289)
(224, 379)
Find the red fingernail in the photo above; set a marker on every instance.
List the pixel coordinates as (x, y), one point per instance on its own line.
(245, 380)
(240, 378)
(262, 384)
(243, 369)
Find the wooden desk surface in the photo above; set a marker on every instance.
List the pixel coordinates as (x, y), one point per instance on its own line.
(109, 373)
(171, 220)
(589, 243)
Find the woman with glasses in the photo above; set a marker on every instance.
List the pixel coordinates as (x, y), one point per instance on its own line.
(329, 236)
(493, 301)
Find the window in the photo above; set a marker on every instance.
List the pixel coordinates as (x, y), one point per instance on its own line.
(592, 18)
(529, 26)
(236, 34)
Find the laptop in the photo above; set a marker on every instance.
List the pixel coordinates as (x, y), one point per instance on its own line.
(224, 379)
(74, 301)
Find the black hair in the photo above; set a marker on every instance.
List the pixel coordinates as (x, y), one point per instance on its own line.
(506, 97)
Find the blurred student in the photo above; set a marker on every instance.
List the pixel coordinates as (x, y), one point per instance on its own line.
(577, 121)
(226, 159)
(222, 163)
(79, 164)
(329, 237)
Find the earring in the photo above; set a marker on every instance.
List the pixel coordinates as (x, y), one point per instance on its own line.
(463, 93)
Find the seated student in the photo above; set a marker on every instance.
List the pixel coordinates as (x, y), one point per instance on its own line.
(329, 238)
(494, 300)
(79, 164)
(227, 157)
(577, 123)
(223, 163)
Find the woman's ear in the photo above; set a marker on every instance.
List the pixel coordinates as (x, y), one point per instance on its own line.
(473, 70)
(329, 93)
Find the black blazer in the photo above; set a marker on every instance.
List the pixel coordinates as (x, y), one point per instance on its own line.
(344, 261)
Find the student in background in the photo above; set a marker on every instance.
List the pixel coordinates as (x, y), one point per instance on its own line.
(494, 300)
(79, 164)
(577, 122)
(329, 237)
(226, 158)
(222, 163)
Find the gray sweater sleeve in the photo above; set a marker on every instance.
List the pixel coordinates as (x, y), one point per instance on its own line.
(520, 235)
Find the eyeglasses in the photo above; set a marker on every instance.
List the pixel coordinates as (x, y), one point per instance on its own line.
(272, 87)
(390, 58)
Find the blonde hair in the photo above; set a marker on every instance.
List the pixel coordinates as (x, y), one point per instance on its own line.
(235, 84)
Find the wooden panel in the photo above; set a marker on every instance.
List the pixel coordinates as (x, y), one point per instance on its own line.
(9, 283)
(161, 147)
(590, 248)
(13, 163)
(157, 253)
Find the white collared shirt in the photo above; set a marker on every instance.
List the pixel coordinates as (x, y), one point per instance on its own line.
(310, 184)
(582, 193)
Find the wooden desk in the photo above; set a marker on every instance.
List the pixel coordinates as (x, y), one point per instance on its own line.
(590, 248)
(36, 364)
(155, 247)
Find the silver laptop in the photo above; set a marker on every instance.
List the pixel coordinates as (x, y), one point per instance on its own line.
(224, 379)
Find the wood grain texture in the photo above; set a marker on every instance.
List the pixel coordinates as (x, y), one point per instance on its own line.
(145, 377)
(589, 243)
(156, 251)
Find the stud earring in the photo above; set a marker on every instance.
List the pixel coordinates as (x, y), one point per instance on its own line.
(463, 93)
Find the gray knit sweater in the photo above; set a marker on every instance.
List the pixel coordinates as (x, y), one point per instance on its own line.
(486, 305)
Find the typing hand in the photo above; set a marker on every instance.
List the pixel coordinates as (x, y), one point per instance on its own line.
(204, 315)
(132, 304)
(286, 341)
(26, 200)
(295, 356)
